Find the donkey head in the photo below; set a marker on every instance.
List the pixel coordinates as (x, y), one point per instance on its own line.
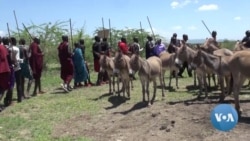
(135, 63)
(182, 54)
(198, 59)
(119, 60)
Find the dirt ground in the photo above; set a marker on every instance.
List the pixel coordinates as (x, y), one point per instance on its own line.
(176, 121)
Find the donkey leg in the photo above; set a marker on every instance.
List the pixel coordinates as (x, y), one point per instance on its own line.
(176, 80)
(205, 87)
(128, 88)
(154, 94)
(161, 83)
(222, 95)
(236, 91)
(170, 78)
(147, 91)
(118, 86)
(113, 83)
(143, 90)
(195, 83)
(163, 79)
(200, 81)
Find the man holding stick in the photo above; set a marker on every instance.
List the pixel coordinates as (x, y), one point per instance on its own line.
(36, 64)
(4, 70)
(67, 68)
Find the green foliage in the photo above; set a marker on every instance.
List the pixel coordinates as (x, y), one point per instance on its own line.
(228, 44)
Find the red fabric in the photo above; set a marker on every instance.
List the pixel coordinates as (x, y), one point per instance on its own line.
(4, 69)
(123, 47)
(36, 60)
(96, 66)
(4, 81)
(67, 68)
(4, 65)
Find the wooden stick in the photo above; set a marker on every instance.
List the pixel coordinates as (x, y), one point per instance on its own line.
(71, 36)
(206, 27)
(141, 35)
(17, 24)
(151, 28)
(110, 34)
(103, 28)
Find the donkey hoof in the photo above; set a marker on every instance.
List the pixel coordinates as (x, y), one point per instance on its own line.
(149, 104)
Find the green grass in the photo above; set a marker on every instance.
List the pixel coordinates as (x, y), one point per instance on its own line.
(34, 119)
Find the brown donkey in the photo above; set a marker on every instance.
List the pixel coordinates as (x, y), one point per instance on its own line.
(107, 64)
(148, 70)
(218, 64)
(239, 65)
(168, 62)
(123, 70)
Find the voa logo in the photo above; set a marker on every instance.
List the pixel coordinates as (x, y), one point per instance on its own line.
(224, 117)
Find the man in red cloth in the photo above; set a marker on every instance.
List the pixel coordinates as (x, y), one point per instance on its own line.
(123, 47)
(4, 70)
(36, 64)
(67, 68)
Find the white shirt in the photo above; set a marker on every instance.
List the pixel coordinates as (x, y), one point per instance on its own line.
(15, 56)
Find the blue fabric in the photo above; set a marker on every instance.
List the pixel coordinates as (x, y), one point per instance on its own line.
(80, 70)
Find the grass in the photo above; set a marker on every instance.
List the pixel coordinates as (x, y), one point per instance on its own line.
(34, 119)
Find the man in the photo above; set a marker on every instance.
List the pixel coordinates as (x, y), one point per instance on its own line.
(159, 48)
(185, 64)
(105, 50)
(246, 39)
(135, 48)
(36, 64)
(173, 43)
(15, 56)
(26, 71)
(67, 68)
(123, 47)
(4, 70)
(9, 94)
(211, 43)
(149, 47)
(82, 47)
(96, 50)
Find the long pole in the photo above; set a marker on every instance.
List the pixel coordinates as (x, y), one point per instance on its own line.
(141, 34)
(110, 33)
(71, 36)
(103, 29)
(206, 27)
(27, 31)
(151, 28)
(17, 24)
(9, 32)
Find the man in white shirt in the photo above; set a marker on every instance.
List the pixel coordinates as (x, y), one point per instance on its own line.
(15, 56)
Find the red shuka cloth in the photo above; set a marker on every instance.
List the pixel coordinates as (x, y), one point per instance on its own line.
(36, 60)
(4, 69)
(65, 57)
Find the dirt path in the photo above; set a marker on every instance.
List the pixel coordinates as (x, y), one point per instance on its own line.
(181, 121)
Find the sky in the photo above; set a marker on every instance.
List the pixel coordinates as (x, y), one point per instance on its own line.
(230, 18)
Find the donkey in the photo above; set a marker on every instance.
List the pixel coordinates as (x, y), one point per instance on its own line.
(148, 70)
(168, 62)
(122, 67)
(219, 65)
(107, 64)
(185, 53)
(239, 65)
